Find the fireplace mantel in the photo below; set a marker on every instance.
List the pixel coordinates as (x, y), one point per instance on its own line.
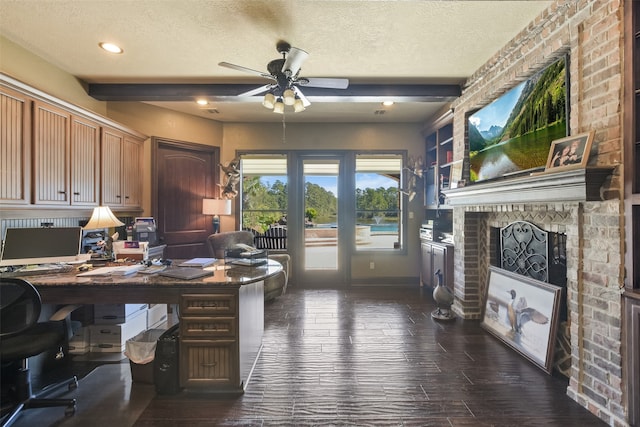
(576, 185)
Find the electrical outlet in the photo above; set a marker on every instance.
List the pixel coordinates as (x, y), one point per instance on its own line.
(410, 215)
(372, 265)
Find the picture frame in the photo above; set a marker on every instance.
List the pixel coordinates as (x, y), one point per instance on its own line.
(571, 152)
(532, 330)
(455, 174)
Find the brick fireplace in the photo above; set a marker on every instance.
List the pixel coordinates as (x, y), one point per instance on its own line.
(569, 203)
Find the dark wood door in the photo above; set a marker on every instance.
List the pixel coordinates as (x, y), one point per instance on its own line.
(184, 174)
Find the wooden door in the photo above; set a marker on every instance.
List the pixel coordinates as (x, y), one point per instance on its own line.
(111, 167)
(85, 162)
(183, 174)
(15, 147)
(132, 173)
(51, 142)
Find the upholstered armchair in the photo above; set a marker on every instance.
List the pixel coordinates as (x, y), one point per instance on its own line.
(273, 286)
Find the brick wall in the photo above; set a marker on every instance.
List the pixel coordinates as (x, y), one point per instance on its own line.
(590, 32)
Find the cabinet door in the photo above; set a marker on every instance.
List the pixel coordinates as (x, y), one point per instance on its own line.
(132, 173)
(443, 261)
(51, 144)
(209, 363)
(426, 272)
(15, 147)
(111, 167)
(85, 164)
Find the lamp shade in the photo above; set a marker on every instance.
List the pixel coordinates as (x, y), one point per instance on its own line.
(278, 106)
(289, 97)
(216, 207)
(102, 217)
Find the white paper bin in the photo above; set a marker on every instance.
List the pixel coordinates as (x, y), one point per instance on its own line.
(141, 351)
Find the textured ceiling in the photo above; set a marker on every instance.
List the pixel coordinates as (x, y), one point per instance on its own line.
(182, 41)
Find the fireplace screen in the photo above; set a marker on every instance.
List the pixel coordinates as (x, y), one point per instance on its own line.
(524, 249)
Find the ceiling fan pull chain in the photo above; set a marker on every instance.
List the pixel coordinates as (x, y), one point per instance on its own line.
(284, 128)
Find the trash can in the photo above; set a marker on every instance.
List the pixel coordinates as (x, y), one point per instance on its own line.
(166, 372)
(141, 350)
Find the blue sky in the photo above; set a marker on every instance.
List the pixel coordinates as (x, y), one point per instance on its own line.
(498, 111)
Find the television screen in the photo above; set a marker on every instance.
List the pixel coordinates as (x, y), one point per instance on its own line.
(513, 134)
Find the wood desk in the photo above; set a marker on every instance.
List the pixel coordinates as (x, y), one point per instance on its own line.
(221, 316)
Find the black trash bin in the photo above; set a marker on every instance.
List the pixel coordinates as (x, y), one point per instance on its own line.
(166, 372)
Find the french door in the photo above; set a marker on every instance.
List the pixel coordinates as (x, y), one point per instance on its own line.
(321, 241)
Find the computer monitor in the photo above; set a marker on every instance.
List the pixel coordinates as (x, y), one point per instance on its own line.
(23, 246)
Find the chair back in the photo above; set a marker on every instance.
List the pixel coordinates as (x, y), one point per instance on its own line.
(218, 243)
(276, 237)
(20, 306)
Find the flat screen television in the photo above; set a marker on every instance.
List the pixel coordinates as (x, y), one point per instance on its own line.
(23, 246)
(513, 134)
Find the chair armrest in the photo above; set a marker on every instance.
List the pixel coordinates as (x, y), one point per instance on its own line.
(64, 315)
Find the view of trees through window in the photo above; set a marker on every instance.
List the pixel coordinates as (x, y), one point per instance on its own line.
(265, 198)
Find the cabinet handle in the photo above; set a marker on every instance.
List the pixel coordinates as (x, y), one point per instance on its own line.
(118, 197)
(76, 193)
(126, 197)
(209, 365)
(62, 192)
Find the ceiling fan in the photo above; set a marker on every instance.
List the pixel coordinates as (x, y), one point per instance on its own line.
(285, 86)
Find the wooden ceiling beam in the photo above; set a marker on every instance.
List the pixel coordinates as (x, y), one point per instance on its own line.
(229, 92)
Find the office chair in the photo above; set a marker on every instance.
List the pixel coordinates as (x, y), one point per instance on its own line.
(21, 337)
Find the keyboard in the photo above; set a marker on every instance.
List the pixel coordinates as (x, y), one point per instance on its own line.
(33, 270)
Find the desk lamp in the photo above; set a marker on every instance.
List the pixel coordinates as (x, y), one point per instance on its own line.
(216, 207)
(102, 217)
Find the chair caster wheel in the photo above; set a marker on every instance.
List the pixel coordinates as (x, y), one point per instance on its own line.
(73, 384)
(70, 411)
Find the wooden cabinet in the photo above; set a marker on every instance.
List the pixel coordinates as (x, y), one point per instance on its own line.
(221, 336)
(121, 169)
(66, 151)
(15, 147)
(50, 154)
(434, 257)
(209, 340)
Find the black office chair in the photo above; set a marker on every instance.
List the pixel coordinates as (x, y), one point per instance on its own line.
(21, 337)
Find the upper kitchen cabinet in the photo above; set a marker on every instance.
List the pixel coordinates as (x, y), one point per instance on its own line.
(66, 152)
(15, 147)
(121, 169)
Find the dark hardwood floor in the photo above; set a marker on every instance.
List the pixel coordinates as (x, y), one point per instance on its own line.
(363, 356)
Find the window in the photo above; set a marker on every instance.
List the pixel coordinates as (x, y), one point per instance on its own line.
(378, 201)
(264, 191)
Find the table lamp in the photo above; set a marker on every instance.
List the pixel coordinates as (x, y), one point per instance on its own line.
(216, 207)
(102, 217)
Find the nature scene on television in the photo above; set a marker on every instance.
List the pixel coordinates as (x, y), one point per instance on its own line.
(514, 133)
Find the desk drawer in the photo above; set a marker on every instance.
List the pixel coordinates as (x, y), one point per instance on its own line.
(207, 363)
(205, 327)
(207, 305)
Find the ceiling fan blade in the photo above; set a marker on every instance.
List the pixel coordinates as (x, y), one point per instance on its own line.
(304, 99)
(294, 60)
(326, 83)
(245, 69)
(256, 91)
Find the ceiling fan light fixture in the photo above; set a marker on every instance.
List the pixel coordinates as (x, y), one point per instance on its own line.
(289, 96)
(278, 107)
(269, 100)
(298, 105)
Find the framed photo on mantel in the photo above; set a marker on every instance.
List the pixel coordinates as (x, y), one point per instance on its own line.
(569, 153)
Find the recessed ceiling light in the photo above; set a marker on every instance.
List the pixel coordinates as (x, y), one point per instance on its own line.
(110, 47)
(387, 103)
(202, 102)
